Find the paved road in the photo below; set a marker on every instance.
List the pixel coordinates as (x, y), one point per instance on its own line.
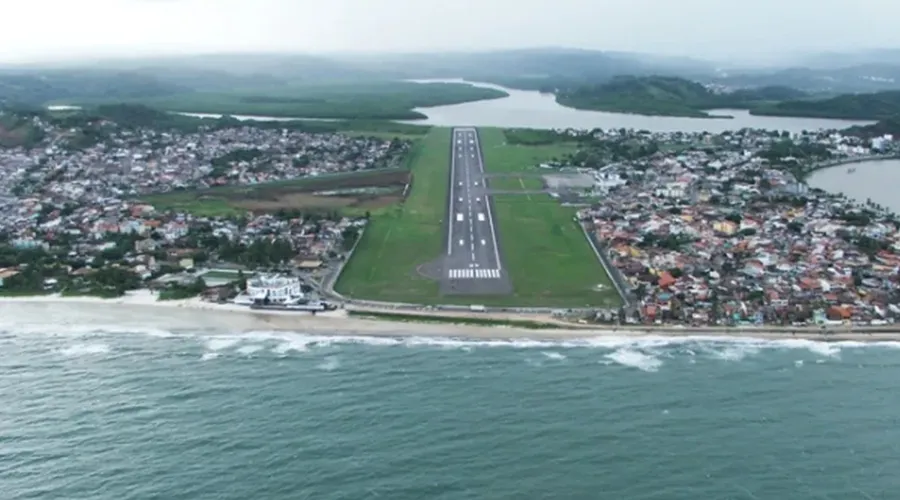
(472, 264)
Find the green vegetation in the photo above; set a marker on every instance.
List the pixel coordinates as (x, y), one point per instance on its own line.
(400, 239)
(41, 272)
(544, 249)
(547, 255)
(138, 116)
(177, 291)
(667, 96)
(515, 157)
(389, 100)
(17, 130)
(35, 88)
(291, 195)
(456, 320)
(516, 183)
(890, 126)
(550, 261)
(874, 106)
(535, 137)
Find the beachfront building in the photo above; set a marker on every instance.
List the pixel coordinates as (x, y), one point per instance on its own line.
(274, 289)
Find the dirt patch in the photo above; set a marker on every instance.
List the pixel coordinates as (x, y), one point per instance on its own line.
(365, 190)
(432, 270)
(374, 179)
(11, 138)
(311, 201)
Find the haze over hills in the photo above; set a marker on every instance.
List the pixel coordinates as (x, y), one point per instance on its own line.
(523, 68)
(590, 79)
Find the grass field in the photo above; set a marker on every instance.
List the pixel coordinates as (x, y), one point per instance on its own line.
(400, 239)
(382, 100)
(549, 260)
(299, 194)
(546, 253)
(501, 156)
(516, 183)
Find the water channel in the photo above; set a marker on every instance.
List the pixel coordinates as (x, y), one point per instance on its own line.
(530, 109)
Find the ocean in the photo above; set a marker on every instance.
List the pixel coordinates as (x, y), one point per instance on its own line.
(106, 412)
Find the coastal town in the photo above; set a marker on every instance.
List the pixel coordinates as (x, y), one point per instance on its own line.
(707, 230)
(728, 235)
(72, 220)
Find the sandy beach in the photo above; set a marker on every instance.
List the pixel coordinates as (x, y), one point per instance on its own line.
(141, 309)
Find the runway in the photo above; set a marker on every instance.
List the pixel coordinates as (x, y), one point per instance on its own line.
(472, 264)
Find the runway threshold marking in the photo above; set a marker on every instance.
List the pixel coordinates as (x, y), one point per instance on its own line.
(463, 274)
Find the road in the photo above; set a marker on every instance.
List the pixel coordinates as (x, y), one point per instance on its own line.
(472, 264)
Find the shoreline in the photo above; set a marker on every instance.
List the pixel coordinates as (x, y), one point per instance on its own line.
(142, 309)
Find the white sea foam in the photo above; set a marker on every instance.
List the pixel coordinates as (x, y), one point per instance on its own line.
(635, 359)
(821, 348)
(286, 347)
(554, 355)
(222, 343)
(330, 364)
(725, 348)
(209, 355)
(733, 352)
(247, 350)
(77, 350)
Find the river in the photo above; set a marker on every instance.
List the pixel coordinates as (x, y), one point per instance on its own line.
(530, 109)
(875, 180)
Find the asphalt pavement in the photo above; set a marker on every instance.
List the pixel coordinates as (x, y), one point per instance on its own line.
(472, 264)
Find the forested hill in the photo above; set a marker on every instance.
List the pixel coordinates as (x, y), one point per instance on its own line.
(19, 88)
(874, 106)
(664, 95)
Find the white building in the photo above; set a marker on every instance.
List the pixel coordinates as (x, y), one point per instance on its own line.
(277, 289)
(672, 190)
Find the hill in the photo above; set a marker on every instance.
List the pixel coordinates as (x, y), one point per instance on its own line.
(869, 77)
(384, 100)
(871, 106)
(668, 96)
(34, 88)
(890, 126)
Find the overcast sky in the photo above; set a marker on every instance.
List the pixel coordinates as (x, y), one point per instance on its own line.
(54, 29)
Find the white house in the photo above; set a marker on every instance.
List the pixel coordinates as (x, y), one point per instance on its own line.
(277, 289)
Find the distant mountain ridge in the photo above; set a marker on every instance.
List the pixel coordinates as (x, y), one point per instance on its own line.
(610, 80)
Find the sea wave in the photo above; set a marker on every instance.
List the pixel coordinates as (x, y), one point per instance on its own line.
(636, 359)
(78, 350)
(285, 342)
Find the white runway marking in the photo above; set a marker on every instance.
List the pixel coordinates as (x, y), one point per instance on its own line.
(478, 274)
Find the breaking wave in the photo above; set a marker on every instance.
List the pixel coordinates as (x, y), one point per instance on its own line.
(646, 353)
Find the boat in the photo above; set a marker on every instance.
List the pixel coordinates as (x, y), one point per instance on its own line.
(851, 170)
